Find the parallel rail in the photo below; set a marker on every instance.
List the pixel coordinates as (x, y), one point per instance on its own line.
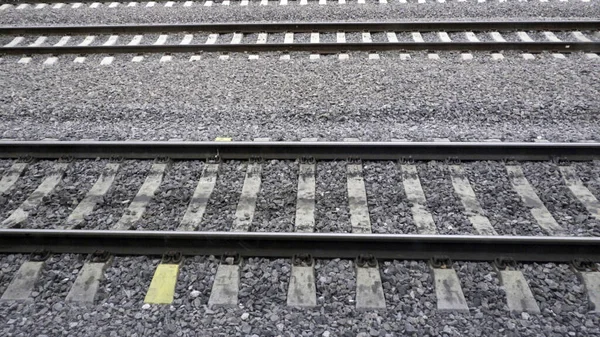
(323, 48)
(319, 245)
(294, 150)
(300, 27)
(295, 27)
(286, 245)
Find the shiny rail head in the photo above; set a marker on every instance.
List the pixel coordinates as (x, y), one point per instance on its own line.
(318, 245)
(463, 151)
(279, 27)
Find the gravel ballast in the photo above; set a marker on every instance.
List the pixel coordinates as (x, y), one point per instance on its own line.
(276, 201)
(30, 179)
(560, 295)
(332, 11)
(388, 207)
(502, 205)
(408, 287)
(589, 173)
(222, 204)
(129, 179)
(376, 100)
(5, 165)
(332, 212)
(564, 207)
(79, 177)
(172, 198)
(442, 201)
(9, 265)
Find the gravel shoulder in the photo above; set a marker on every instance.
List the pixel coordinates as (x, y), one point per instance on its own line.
(514, 100)
(451, 10)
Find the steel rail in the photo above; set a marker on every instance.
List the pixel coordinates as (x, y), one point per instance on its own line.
(272, 27)
(294, 150)
(592, 47)
(319, 245)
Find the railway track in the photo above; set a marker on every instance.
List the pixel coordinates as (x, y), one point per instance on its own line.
(299, 238)
(529, 37)
(305, 246)
(304, 158)
(307, 153)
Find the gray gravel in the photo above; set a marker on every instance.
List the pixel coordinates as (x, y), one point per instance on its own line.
(458, 37)
(514, 100)
(329, 99)
(482, 288)
(484, 36)
(76, 182)
(502, 204)
(222, 204)
(47, 314)
(31, 178)
(408, 287)
(57, 277)
(250, 37)
(443, 203)
(566, 36)
(9, 265)
(590, 176)
(276, 38)
(388, 207)
(354, 37)
(379, 37)
(511, 37)
(547, 181)
(311, 12)
(562, 300)
(302, 37)
(332, 213)
(276, 202)
(327, 37)
(404, 37)
(430, 37)
(129, 179)
(537, 36)
(5, 165)
(170, 202)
